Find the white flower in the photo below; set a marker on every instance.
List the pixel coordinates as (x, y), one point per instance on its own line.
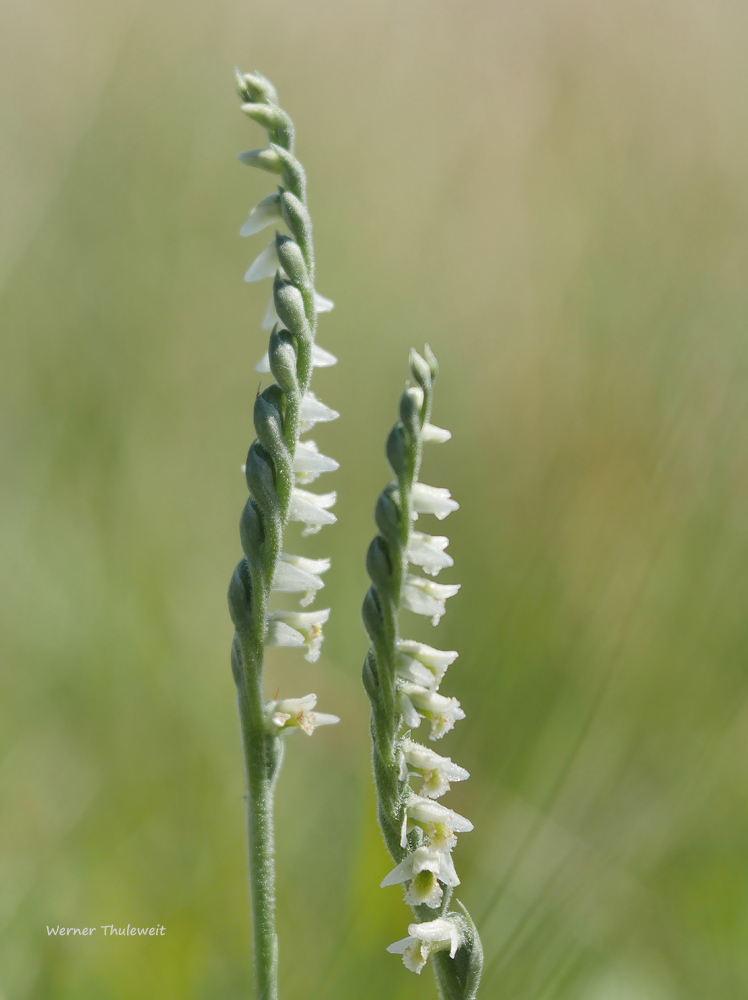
(298, 628)
(265, 213)
(438, 823)
(309, 463)
(312, 509)
(424, 869)
(313, 411)
(265, 265)
(430, 432)
(295, 573)
(436, 771)
(425, 597)
(426, 939)
(435, 661)
(442, 713)
(271, 317)
(433, 500)
(427, 551)
(296, 713)
(320, 358)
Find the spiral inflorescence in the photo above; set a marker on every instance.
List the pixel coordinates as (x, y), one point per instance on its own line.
(402, 679)
(279, 465)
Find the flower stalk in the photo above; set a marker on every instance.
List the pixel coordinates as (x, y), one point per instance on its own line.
(402, 678)
(276, 462)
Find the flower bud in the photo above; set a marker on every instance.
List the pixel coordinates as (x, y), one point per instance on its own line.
(292, 261)
(411, 402)
(397, 450)
(292, 172)
(282, 357)
(278, 124)
(387, 512)
(432, 362)
(420, 370)
(259, 88)
(264, 159)
(240, 597)
(296, 217)
(289, 305)
(379, 564)
(260, 478)
(371, 613)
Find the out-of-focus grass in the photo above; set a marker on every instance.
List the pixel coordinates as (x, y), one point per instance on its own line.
(555, 197)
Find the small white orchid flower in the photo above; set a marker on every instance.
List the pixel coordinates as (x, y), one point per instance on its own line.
(435, 661)
(424, 597)
(265, 265)
(427, 551)
(434, 500)
(313, 411)
(438, 823)
(425, 939)
(436, 771)
(430, 432)
(424, 869)
(265, 213)
(296, 713)
(416, 702)
(296, 573)
(307, 626)
(312, 509)
(309, 463)
(320, 358)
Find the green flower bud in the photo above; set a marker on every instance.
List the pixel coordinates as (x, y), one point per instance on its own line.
(289, 305)
(420, 370)
(371, 613)
(432, 362)
(259, 88)
(240, 597)
(261, 479)
(296, 217)
(379, 565)
(282, 355)
(387, 513)
(278, 124)
(292, 261)
(292, 172)
(265, 159)
(411, 402)
(397, 450)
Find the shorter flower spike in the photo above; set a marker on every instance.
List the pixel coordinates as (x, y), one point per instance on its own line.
(296, 713)
(402, 678)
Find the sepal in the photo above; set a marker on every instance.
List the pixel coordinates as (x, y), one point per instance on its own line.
(264, 159)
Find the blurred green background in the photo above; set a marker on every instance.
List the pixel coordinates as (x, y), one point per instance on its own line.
(555, 196)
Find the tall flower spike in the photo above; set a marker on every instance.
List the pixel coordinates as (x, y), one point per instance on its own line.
(277, 462)
(402, 677)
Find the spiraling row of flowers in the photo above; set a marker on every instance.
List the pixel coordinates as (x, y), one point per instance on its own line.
(402, 678)
(279, 466)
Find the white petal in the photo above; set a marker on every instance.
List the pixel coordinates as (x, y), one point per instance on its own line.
(290, 579)
(265, 213)
(430, 432)
(322, 358)
(280, 634)
(433, 500)
(437, 659)
(309, 463)
(265, 265)
(263, 365)
(311, 508)
(313, 411)
(398, 947)
(309, 565)
(408, 712)
(269, 320)
(322, 305)
(422, 604)
(322, 719)
(428, 552)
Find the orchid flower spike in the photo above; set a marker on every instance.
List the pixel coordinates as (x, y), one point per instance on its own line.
(402, 679)
(279, 465)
